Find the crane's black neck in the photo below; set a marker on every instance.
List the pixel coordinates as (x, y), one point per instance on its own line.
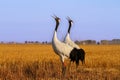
(57, 24)
(69, 27)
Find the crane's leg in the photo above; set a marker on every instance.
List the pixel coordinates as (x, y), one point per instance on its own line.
(63, 65)
(77, 64)
(69, 66)
(83, 62)
(63, 69)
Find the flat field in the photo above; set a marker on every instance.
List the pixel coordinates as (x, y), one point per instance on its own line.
(39, 62)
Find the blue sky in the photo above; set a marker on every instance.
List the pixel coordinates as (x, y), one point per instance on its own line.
(31, 20)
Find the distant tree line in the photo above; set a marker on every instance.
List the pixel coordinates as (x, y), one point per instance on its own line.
(113, 41)
(102, 42)
(27, 42)
(84, 42)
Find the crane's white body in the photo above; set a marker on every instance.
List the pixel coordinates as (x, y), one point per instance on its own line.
(60, 48)
(70, 42)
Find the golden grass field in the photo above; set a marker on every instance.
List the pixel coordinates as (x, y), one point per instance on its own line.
(39, 62)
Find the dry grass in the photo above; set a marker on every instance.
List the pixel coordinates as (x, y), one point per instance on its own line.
(39, 62)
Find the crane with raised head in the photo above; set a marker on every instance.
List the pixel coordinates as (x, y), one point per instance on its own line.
(64, 50)
(68, 40)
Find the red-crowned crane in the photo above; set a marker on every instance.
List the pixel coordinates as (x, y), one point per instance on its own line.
(64, 50)
(67, 38)
(72, 43)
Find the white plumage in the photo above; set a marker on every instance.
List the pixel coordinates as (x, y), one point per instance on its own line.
(59, 47)
(70, 42)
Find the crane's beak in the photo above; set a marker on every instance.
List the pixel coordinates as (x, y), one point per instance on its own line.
(68, 18)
